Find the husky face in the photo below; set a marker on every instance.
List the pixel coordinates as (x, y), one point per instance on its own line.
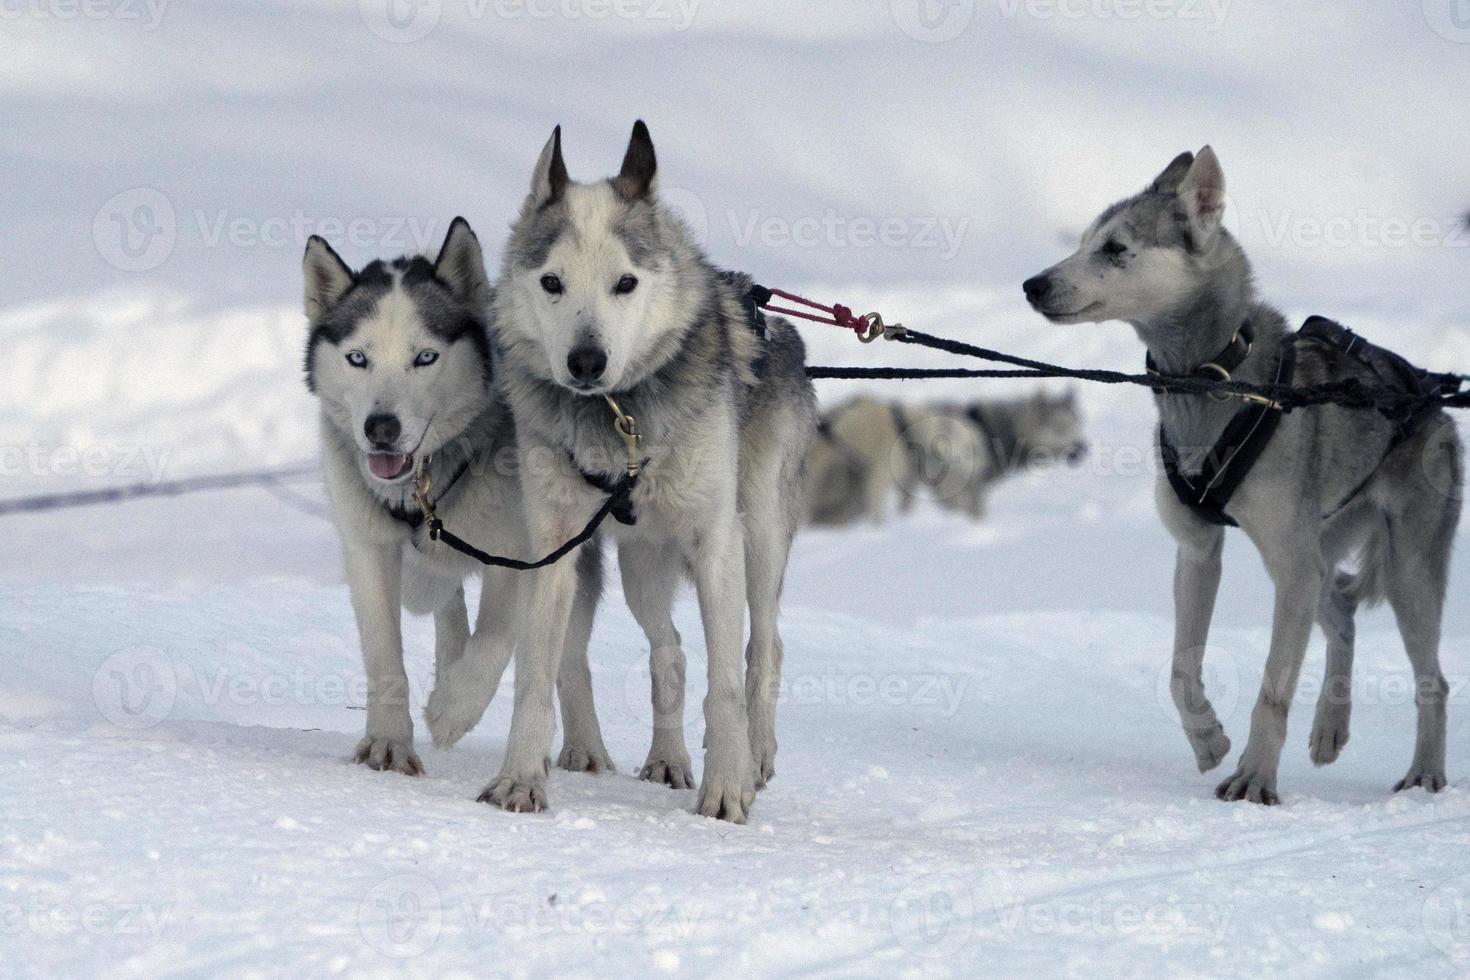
(398, 352)
(1147, 257)
(592, 274)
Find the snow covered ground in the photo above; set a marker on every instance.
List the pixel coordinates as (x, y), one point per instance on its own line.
(980, 772)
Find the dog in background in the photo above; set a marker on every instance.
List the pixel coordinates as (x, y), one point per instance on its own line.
(871, 451)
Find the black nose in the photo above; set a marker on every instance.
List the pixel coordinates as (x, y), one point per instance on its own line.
(1037, 288)
(382, 430)
(586, 362)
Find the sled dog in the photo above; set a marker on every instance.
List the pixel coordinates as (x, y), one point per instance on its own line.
(868, 449)
(605, 306)
(400, 360)
(1315, 490)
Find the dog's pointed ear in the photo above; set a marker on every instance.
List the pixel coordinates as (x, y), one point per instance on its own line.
(640, 167)
(1168, 182)
(461, 266)
(550, 179)
(326, 276)
(1202, 192)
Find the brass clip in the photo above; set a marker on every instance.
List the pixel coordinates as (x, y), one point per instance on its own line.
(421, 486)
(1260, 400)
(627, 429)
(877, 328)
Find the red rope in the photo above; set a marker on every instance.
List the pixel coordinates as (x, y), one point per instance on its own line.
(837, 315)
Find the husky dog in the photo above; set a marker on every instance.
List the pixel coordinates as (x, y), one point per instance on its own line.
(400, 359)
(603, 299)
(1330, 484)
(869, 448)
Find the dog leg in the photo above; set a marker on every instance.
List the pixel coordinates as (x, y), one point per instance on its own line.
(451, 633)
(1335, 612)
(768, 544)
(374, 576)
(650, 579)
(1196, 583)
(464, 691)
(1417, 573)
(1296, 568)
(727, 789)
(521, 784)
(582, 749)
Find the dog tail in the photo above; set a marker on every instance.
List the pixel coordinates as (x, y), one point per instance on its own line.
(1368, 585)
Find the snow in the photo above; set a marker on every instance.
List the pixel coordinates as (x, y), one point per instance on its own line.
(980, 771)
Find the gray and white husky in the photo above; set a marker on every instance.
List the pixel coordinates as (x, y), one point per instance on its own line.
(1330, 485)
(603, 295)
(400, 359)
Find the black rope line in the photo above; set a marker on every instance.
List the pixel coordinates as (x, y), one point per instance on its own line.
(1350, 393)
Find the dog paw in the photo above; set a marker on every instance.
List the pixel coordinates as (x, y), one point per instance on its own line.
(451, 717)
(1329, 733)
(1254, 787)
(763, 757)
(1210, 747)
(1418, 776)
(388, 754)
(726, 793)
(579, 758)
(516, 794)
(673, 771)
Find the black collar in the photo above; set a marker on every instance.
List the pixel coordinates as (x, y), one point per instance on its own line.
(1222, 366)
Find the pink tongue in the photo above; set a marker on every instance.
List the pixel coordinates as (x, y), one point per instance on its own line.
(387, 466)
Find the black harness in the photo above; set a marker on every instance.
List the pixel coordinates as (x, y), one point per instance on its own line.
(1249, 432)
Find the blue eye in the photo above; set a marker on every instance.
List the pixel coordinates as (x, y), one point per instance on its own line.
(357, 358)
(425, 358)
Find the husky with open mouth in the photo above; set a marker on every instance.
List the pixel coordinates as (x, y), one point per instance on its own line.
(606, 307)
(400, 358)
